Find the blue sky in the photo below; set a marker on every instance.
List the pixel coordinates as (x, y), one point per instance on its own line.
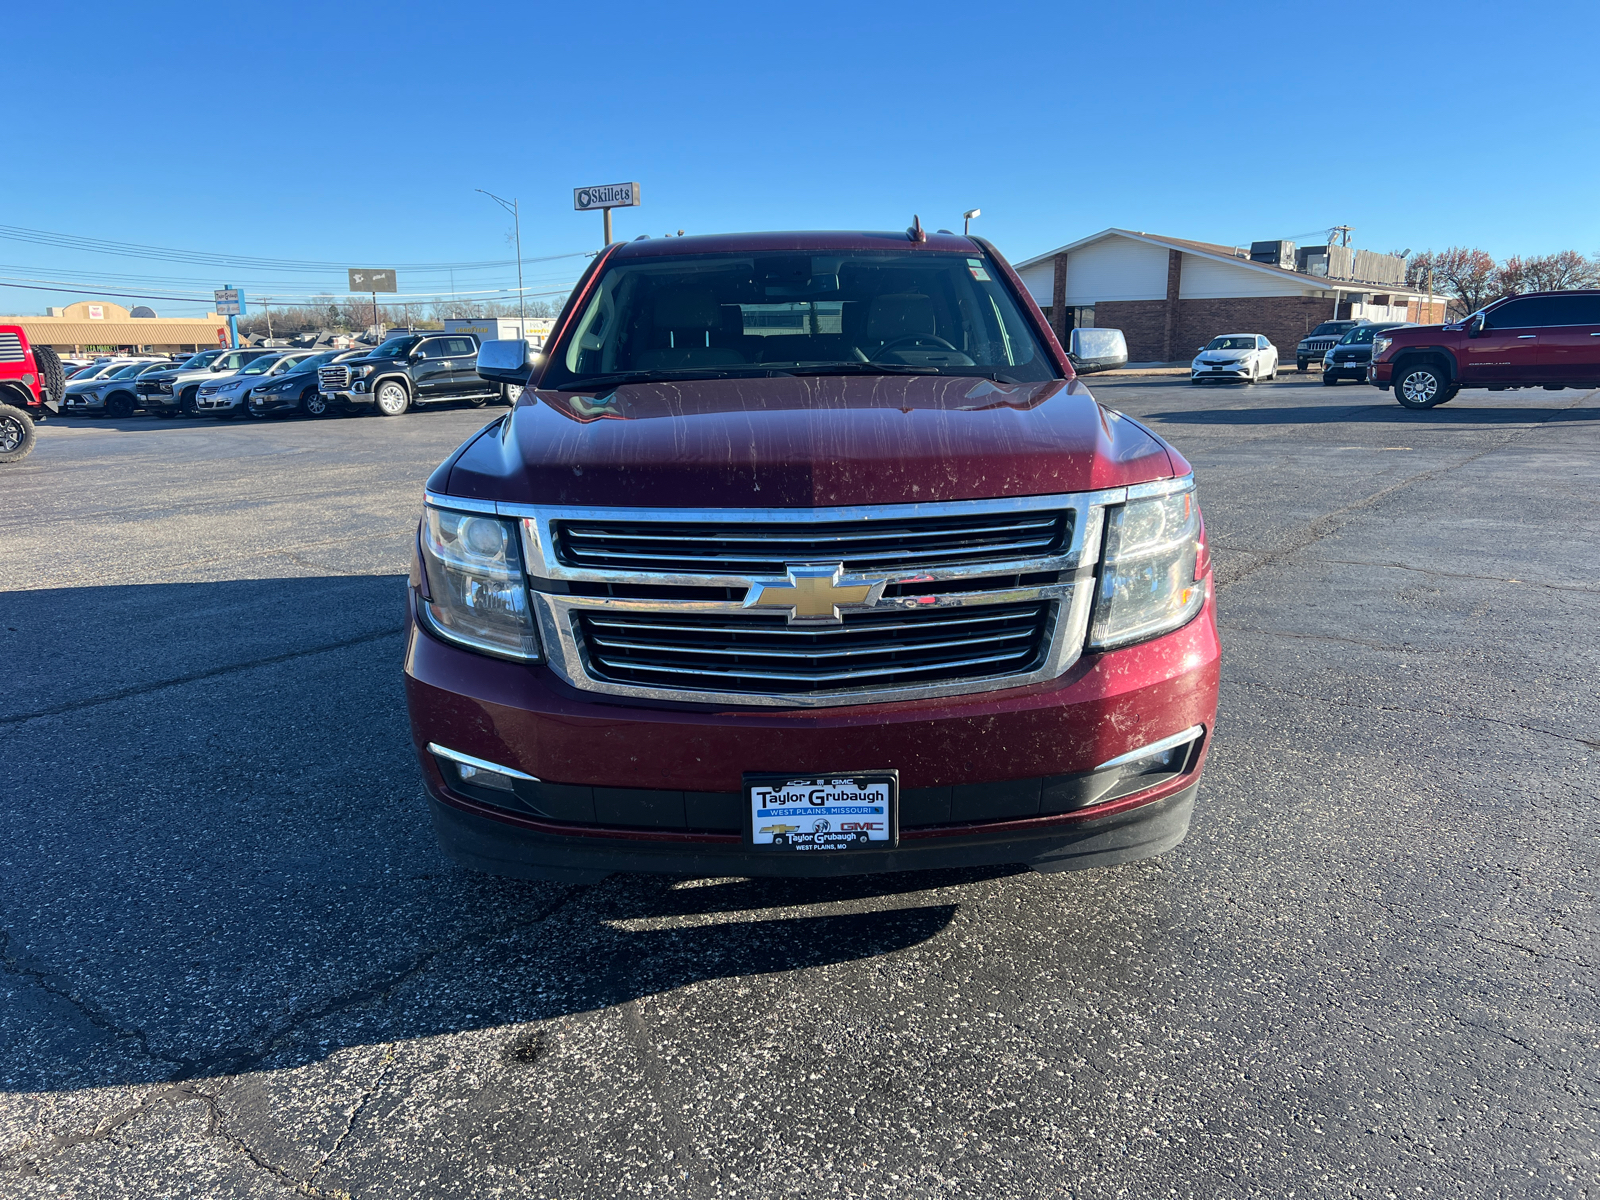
(355, 133)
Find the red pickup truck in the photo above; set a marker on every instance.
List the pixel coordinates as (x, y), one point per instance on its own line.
(1541, 339)
(806, 554)
(32, 383)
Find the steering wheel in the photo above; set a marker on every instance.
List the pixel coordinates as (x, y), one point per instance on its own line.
(919, 341)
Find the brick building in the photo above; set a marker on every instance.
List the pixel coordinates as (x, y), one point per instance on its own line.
(1169, 296)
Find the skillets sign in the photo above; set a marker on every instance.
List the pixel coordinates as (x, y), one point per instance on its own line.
(606, 195)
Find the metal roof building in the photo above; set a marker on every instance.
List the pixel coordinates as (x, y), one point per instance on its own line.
(100, 325)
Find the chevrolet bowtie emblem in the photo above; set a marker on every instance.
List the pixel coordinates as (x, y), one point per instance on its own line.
(813, 594)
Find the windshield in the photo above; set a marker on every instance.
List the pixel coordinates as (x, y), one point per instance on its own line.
(85, 373)
(1360, 336)
(262, 365)
(316, 360)
(1330, 328)
(776, 312)
(395, 347)
(155, 366)
(127, 372)
(203, 359)
(1246, 342)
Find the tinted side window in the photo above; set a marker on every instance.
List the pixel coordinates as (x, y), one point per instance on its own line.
(1574, 310)
(431, 348)
(458, 347)
(1517, 314)
(1261, 342)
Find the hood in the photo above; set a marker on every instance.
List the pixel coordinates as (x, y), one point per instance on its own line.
(805, 442)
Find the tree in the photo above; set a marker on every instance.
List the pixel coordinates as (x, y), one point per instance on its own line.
(1468, 275)
(1554, 272)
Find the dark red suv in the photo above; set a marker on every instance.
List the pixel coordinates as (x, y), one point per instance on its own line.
(1543, 339)
(806, 554)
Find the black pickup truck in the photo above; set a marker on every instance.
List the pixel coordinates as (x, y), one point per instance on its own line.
(410, 367)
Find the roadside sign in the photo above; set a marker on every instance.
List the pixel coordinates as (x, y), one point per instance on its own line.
(230, 302)
(607, 195)
(369, 280)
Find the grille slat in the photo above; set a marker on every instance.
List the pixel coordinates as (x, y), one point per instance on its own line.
(733, 548)
(761, 653)
(334, 378)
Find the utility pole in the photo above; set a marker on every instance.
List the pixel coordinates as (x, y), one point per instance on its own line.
(233, 324)
(1343, 231)
(516, 216)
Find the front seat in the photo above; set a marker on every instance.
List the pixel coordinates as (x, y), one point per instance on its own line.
(682, 328)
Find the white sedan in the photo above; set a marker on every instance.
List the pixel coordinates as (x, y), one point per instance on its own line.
(1246, 356)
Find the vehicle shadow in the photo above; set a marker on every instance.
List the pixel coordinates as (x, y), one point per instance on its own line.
(222, 860)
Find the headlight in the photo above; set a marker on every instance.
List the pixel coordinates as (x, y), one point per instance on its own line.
(474, 576)
(1147, 576)
(358, 372)
(232, 386)
(1380, 344)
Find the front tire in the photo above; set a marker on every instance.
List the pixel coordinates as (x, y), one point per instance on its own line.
(17, 434)
(1300, 365)
(392, 398)
(1422, 386)
(186, 401)
(1329, 378)
(313, 403)
(119, 406)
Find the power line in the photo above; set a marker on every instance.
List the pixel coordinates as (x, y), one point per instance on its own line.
(68, 241)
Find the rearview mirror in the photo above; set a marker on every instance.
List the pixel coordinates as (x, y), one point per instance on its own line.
(507, 361)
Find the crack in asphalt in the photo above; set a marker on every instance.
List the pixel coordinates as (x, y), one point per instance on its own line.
(59, 1143)
(241, 1058)
(1331, 522)
(367, 1094)
(195, 677)
(1556, 587)
(1420, 712)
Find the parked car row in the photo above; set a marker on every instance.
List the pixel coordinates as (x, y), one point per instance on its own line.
(407, 369)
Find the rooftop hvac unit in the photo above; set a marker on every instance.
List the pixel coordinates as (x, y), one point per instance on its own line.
(1274, 254)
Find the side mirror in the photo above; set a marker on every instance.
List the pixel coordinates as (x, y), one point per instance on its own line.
(1475, 325)
(507, 361)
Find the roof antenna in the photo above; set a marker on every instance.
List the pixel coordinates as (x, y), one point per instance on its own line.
(917, 233)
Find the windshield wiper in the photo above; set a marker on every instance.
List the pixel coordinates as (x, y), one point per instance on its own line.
(589, 382)
(861, 368)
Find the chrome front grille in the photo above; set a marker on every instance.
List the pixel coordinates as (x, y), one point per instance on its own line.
(689, 605)
(749, 548)
(1319, 345)
(11, 348)
(765, 654)
(333, 379)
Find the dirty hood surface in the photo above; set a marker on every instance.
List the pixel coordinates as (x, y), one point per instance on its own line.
(808, 441)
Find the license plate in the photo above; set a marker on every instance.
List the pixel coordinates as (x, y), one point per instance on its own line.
(849, 810)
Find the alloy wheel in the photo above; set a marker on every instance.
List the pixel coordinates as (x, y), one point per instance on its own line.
(1420, 387)
(11, 433)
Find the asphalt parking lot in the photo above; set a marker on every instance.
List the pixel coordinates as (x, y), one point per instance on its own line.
(235, 964)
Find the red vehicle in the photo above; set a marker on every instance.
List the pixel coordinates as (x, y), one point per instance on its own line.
(806, 554)
(31, 383)
(1542, 339)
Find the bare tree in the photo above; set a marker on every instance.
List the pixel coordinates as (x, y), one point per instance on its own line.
(1469, 276)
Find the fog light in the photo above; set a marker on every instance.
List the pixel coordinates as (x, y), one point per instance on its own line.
(477, 772)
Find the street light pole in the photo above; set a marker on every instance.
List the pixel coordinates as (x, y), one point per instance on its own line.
(511, 207)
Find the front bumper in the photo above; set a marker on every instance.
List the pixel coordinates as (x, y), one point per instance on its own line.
(350, 396)
(82, 404)
(158, 401)
(1345, 370)
(663, 781)
(1380, 374)
(275, 402)
(220, 402)
(1229, 371)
